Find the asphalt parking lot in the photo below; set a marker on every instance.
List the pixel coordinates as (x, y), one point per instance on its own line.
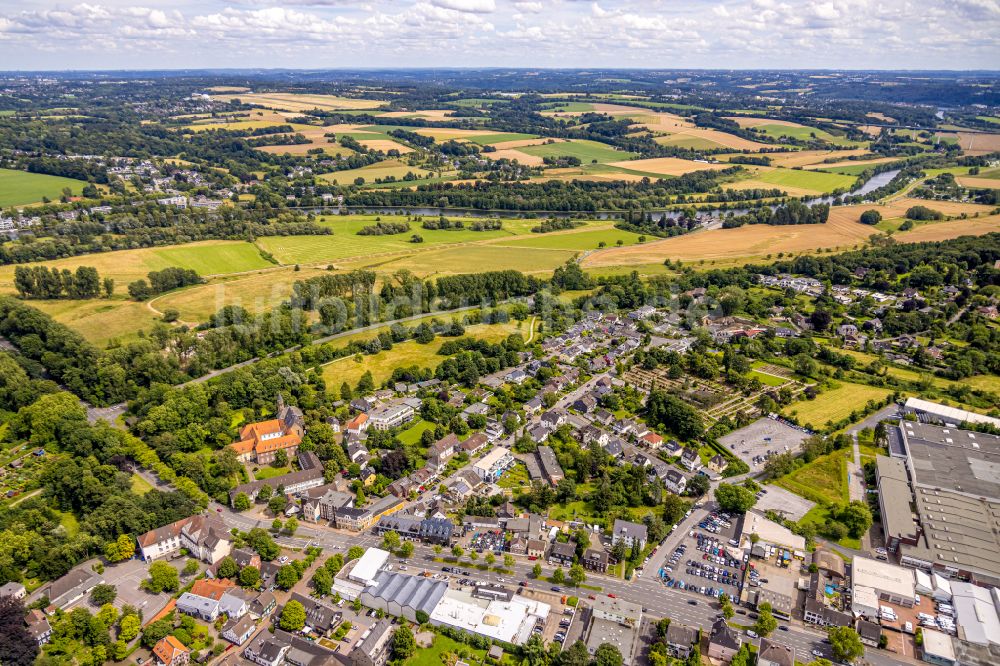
(784, 502)
(127, 577)
(702, 560)
(764, 437)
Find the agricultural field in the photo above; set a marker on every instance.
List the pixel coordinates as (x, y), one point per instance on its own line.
(850, 167)
(667, 166)
(406, 354)
(780, 128)
(301, 102)
(812, 181)
(577, 239)
(467, 258)
(835, 404)
(585, 151)
(345, 242)
(389, 168)
(20, 188)
(124, 266)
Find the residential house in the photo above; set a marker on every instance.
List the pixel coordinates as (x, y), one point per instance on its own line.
(652, 440)
(724, 641)
(549, 465)
(539, 433)
(535, 549)
(630, 533)
(675, 482)
(475, 443)
(358, 424)
(562, 553)
(244, 557)
(171, 652)
(595, 559)
(375, 645)
(691, 459)
(718, 463)
(38, 626)
(490, 467)
(358, 453)
(585, 404)
(266, 650)
(319, 617)
(204, 608)
(869, 633)
(239, 630)
(440, 451)
(680, 639)
(775, 654)
(12, 589)
(263, 605)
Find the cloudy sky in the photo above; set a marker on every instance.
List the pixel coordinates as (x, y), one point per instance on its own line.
(728, 34)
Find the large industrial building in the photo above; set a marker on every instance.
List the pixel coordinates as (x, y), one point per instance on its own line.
(939, 496)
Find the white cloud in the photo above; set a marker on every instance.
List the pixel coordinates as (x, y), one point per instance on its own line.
(471, 6)
(528, 33)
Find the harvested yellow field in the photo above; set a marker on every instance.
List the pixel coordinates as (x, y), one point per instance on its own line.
(944, 230)
(520, 156)
(228, 89)
(743, 121)
(879, 116)
(807, 157)
(444, 133)
(898, 207)
(870, 130)
(744, 243)
(302, 102)
(384, 145)
(972, 181)
(850, 163)
(973, 143)
(715, 136)
(667, 166)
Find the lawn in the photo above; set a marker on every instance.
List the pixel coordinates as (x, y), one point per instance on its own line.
(581, 239)
(268, 472)
(18, 188)
(586, 151)
(818, 516)
(817, 181)
(411, 436)
(822, 480)
(140, 486)
(802, 132)
(435, 654)
(100, 320)
(835, 404)
(515, 477)
(345, 241)
(404, 354)
(766, 379)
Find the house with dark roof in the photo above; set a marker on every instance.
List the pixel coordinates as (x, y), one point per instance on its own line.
(75, 585)
(680, 639)
(38, 626)
(629, 532)
(238, 630)
(724, 641)
(691, 459)
(775, 654)
(562, 553)
(595, 559)
(375, 645)
(319, 616)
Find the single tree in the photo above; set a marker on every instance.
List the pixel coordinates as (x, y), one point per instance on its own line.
(293, 616)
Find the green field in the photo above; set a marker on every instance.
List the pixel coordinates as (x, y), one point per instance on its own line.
(576, 240)
(442, 645)
(849, 170)
(140, 486)
(817, 181)
(803, 133)
(570, 107)
(19, 188)
(345, 242)
(411, 436)
(470, 258)
(394, 168)
(766, 379)
(406, 354)
(100, 320)
(990, 119)
(586, 151)
(822, 480)
(835, 404)
(684, 141)
(268, 472)
(486, 139)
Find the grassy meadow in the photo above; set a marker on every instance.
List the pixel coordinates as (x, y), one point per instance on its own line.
(835, 404)
(19, 188)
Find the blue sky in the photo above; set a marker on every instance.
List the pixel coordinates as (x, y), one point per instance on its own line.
(726, 34)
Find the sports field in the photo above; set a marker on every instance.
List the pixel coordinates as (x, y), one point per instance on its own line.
(834, 404)
(19, 188)
(586, 151)
(124, 266)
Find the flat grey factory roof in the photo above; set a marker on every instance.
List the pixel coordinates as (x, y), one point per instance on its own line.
(960, 460)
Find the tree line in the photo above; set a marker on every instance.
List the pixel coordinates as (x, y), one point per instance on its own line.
(42, 282)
